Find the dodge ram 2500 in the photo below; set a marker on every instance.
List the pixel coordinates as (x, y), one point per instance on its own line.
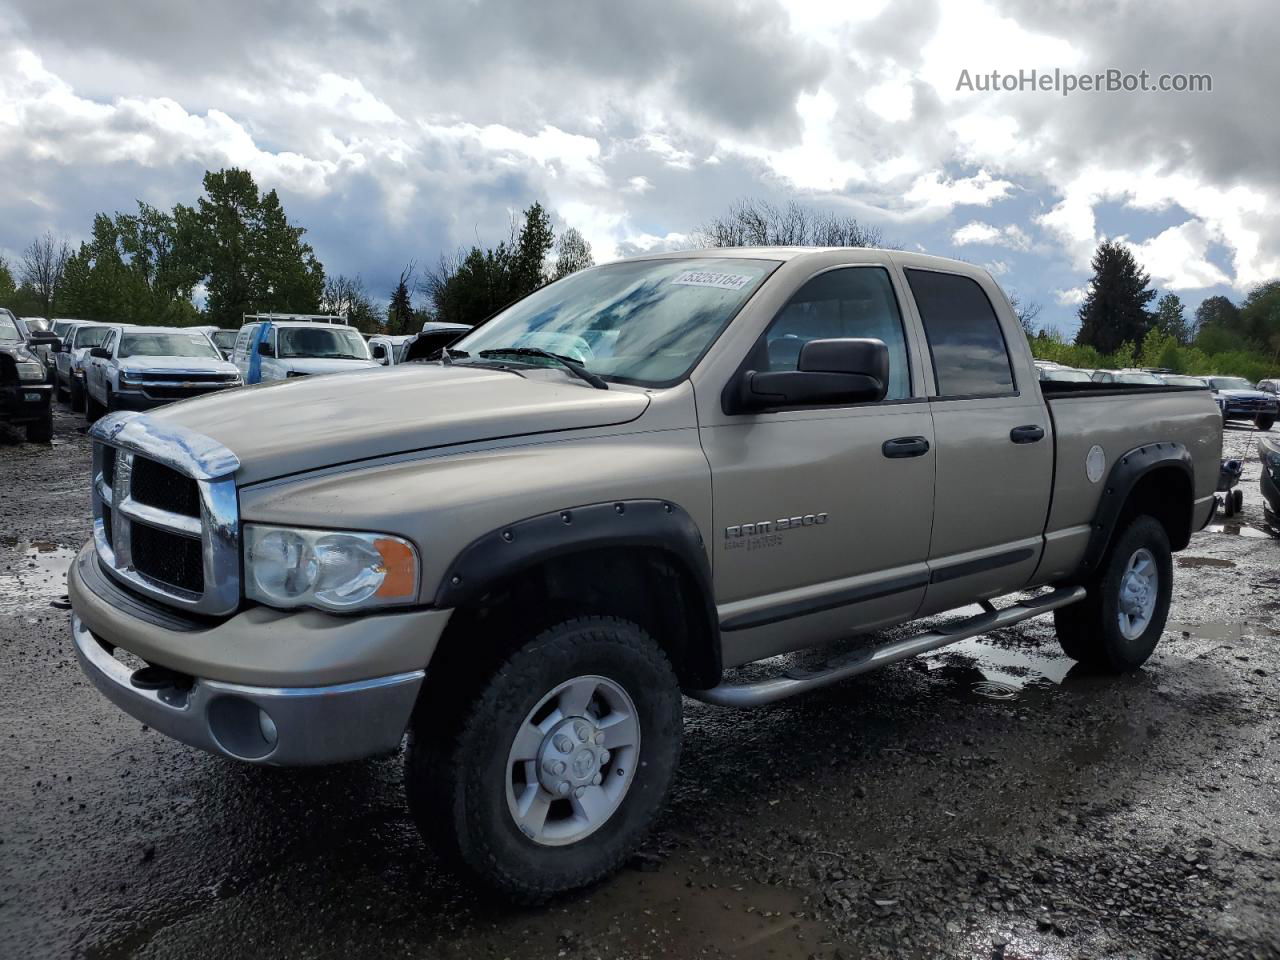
(612, 492)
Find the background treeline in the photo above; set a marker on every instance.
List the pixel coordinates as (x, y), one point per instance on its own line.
(236, 252)
(1119, 328)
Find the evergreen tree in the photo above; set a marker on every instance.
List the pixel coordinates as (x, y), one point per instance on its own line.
(1115, 310)
(400, 315)
(1171, 318)
(8, 288)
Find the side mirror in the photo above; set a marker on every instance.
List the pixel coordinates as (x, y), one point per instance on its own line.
(102, 353)
(45, 338)
(828, 371)
(266, 349)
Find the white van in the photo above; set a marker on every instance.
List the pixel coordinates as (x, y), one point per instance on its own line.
(277, 349)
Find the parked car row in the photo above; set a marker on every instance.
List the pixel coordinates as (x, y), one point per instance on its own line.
(1236, 397)
(25, 392)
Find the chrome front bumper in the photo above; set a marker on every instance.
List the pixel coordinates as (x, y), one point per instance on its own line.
(279, 726)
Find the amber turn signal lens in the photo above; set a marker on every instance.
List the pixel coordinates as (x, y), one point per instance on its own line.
(399, 567)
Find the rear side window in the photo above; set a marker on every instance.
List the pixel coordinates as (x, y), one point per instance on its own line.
(242, 340)
(970, 358)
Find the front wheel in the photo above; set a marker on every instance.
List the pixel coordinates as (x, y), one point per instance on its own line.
(552, 773)
(41, 431)
(1116, 627)
(1266, 421)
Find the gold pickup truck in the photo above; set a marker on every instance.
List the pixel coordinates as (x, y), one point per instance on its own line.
(524, 554)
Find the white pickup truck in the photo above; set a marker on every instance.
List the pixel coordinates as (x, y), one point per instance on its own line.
(137, 368)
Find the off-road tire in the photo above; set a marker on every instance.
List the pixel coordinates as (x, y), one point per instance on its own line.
(456, 765)
(41, 431)
(1089, 630)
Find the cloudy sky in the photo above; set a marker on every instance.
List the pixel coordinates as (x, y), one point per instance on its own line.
(396, 130)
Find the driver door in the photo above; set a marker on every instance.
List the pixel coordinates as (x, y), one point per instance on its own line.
(823, 514)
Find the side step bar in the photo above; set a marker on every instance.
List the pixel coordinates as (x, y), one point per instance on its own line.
(796, 681)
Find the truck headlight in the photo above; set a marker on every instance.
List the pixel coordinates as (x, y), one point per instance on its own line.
(30, 370)
(329, 569)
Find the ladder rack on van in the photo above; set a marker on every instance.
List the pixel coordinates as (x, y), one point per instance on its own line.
(294, 317)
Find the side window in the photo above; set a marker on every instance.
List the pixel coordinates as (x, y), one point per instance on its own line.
(110, 343)
(970, 358)
(242, 341)
(848, 302)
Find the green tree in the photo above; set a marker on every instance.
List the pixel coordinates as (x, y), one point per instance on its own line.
(471, 286)
(1216, 312)
(400, 316)
(249, 255)
(1115, 310)
(8, 288)
(1260, 315)
(1171, 318)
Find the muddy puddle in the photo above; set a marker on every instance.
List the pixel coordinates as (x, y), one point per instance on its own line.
(677, 910)
(1194, 562)
(979, 670)
(32, 573)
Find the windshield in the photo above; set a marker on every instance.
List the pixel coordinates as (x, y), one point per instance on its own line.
(642, 321)
(1066, 376)
(1176, 381)
(8, 329)
(1149, 379)
(224, 339)
(326, 342)
(89, 336)
(1230, 383)
(167, 345)
(37, 324)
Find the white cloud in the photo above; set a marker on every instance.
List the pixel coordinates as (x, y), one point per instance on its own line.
(1071, 296)
(997, 268)
(1010, 235)
(1176, 258)
(935, 194)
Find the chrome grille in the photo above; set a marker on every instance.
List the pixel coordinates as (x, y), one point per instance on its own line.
(166, 515)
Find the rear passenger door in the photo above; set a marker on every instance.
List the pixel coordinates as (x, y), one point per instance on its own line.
(994, 443)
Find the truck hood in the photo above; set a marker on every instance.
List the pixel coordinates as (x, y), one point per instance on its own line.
(140, 365)
(291, 426)
(314, 365)
(1245, 394)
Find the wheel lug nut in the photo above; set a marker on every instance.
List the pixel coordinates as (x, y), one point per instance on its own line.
(563, 743)
(604, 756)
(582, 732)
(599, 738)
(579, 792)
(564, 788)
(553, 767)
(597, 780)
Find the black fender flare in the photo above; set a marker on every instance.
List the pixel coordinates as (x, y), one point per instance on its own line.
(1123, 477)
(510, 549)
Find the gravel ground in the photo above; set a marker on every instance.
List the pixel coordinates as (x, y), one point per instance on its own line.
(988, 801)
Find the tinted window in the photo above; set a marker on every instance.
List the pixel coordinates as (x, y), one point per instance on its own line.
(968, 349)
(852, 302)
(336, 343)
(89, 336)
(168, 345)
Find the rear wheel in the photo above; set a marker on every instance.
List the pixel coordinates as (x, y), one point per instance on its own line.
(549, 775)
(1117, 625)
(77, 396)
(61, 392)
(92, 408)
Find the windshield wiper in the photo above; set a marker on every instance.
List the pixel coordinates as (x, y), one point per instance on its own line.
(573, 366)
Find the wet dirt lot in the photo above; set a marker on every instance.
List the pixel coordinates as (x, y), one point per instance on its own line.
(989, 800)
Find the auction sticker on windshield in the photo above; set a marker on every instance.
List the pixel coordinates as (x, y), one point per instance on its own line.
(704, 278)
